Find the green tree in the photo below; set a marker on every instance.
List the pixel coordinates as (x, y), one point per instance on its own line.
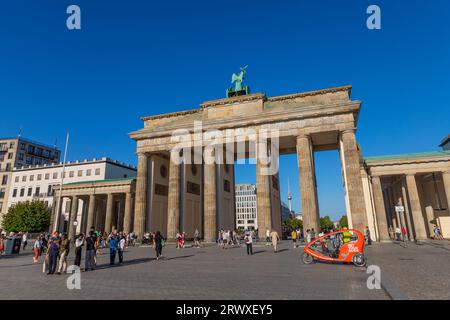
(293, 223)
(343, 222)
(27, 216)
(326, 223)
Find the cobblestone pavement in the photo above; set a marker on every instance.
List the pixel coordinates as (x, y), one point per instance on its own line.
(417, 271)
(189, 274)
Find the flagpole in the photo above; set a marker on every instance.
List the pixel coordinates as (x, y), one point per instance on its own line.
(58, 210)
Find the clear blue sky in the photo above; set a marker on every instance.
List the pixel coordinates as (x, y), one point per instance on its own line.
(135, 58)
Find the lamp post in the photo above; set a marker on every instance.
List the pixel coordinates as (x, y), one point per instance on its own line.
(58, 210)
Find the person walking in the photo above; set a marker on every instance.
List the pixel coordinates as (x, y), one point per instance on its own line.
(121, 247)
(46, 260)
(437, 233)
(24, 241)
(89, 257)
(113, 246)
(313, 234)
(404, 236)
(391, 233)
(368, 237)
(398, 233)
(308, 236)
(79, 243)
(98, 246)
(2, 245)
(197, 238)
(158, 243)
(225, 235)
(64, 252)
(267, 237)
(275, 238)
(53, 249)
(236, 238)
(294, 238)
(249, 242)
(37, 249)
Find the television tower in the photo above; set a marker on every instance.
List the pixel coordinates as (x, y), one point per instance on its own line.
(289, 197)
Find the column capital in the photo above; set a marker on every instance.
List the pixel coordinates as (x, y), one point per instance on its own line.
(347, 131)
(376, 177)
(142, 154)
(303, 136)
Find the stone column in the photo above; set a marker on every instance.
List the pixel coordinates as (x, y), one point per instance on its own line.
(91, 212)
(393, 214)
(210, 203)
(263, 204)
(53, 220)
(354, 182)
(57, 215)
(380, 210)
(407, 214)
(416, 209)
(141, 196)
(308, 189)
(173, 208)
(73, 216)
(109, 212)
(127, 214)
(446, 180)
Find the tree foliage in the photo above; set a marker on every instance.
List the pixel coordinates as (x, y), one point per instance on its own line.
(293, 223)
(27, 216)
(343, 222)
(326, 223)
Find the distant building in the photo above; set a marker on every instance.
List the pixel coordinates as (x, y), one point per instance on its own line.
(246, 210)
(19, 152)
(445, 143)
(286, 214)
(40, 182)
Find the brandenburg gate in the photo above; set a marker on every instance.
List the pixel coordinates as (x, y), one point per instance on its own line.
(180, 188)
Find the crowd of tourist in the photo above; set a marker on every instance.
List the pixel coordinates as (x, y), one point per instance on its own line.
(55, 249)
(228, 238)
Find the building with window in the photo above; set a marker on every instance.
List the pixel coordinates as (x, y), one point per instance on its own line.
(445, 143)
(246, 209)
(286, 214)
(20, 152)
(39, 182)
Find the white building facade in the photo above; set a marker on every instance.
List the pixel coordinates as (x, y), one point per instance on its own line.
(19, 152)
(40, 182)
(246, 209)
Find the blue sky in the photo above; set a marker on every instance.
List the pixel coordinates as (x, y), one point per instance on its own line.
(135, 58)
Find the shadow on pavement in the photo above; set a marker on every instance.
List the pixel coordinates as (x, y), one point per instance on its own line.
(261, 251)
(124, 264)
(180, 257)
